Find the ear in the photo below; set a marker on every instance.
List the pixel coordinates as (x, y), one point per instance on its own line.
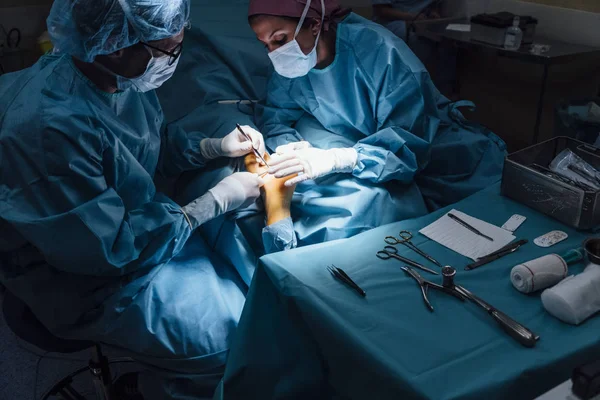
(315, 26)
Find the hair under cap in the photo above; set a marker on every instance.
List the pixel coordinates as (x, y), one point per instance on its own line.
(295, 8)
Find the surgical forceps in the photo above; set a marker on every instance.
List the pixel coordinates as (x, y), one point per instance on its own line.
(405, 239)
(256, 152)
(392, 252)
(425, 285)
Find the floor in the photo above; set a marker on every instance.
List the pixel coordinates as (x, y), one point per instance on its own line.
(26, 372)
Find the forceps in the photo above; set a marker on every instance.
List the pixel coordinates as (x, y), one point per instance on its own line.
(405, 239)
(392, 252)
(256, 152)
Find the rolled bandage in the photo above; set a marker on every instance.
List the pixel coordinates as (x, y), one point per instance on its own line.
(576, 298)
(539, 274)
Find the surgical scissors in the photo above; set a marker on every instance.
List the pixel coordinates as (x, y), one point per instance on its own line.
(392, 252)
(405, 239)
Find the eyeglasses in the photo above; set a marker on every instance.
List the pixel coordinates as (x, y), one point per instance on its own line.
(173, 55)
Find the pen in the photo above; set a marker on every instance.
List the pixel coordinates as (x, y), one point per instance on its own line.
(469, 227)
(506, 250)
(256, 153)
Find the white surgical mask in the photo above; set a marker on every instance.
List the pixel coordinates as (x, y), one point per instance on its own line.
(289, 60)
(157, 72)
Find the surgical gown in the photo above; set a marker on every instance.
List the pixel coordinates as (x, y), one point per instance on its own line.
(408, 6)
(377, 97)
(88, 243)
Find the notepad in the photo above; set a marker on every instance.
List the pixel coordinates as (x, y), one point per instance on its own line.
(459, 27)
(456, 237)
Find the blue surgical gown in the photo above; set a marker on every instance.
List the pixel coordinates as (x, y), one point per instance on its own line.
(377, 97)
(408, 6)
(87, 241)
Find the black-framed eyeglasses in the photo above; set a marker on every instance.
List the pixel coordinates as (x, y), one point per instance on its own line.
(173, 55)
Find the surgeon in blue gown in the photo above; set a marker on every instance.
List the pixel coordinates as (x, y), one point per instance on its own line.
(395, 14)
(86, 240)
(389, 125)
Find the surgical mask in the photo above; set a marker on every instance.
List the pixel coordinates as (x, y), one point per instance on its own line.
(289, 60)
(157, 72)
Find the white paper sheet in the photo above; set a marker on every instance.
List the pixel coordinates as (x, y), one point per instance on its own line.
(459, 27)
(456, 237)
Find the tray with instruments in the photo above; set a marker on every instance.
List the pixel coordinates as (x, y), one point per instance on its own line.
(571, 198)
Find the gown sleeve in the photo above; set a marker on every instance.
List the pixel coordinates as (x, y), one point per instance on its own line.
(180, 151)
(277, 116)
(279, 237)
(406, 113)
(96, 210)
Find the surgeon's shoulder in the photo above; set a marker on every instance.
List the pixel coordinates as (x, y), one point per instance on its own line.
(67, 118)
(373, 42)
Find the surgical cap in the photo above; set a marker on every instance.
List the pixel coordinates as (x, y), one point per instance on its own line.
(88, 28)
(295, 8)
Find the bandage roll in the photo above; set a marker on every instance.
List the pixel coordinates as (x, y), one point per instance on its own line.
(539, 274)
(576, 298)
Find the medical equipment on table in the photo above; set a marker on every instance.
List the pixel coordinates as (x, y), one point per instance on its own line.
(517, 331)
(543, 272)
(392, 252)
(405, 239)
(469, 227)
(514, 35)
(345, 278)
(575, 298)
(551, 174)
(506, 250)
(572, 166)
(539, 274)
(584, 174)
(493, 28)
(256, 152)
(526, 180)
(425, 285)
(538, 48)
(550, 239)
(514, 223)
(513, 328)
(447, 232)
(592, 249)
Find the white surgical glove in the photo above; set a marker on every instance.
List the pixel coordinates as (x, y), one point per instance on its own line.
(233, 145)
(236, 191)
(310, 163)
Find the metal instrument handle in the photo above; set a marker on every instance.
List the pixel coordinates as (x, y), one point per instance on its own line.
(515, 329)
(391, 240)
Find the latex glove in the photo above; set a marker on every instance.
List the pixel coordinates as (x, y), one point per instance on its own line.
(236, 191)
(310, 163)
(233, 145)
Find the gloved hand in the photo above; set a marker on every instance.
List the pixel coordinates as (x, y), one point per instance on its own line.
(233, 145)
(310, 163)
(238, 190)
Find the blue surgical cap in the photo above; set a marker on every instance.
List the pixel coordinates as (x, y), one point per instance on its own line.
(88, 28)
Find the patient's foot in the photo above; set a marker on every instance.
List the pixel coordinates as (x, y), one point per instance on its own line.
(277, 197)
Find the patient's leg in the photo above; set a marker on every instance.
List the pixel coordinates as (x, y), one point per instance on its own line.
(276, 196)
